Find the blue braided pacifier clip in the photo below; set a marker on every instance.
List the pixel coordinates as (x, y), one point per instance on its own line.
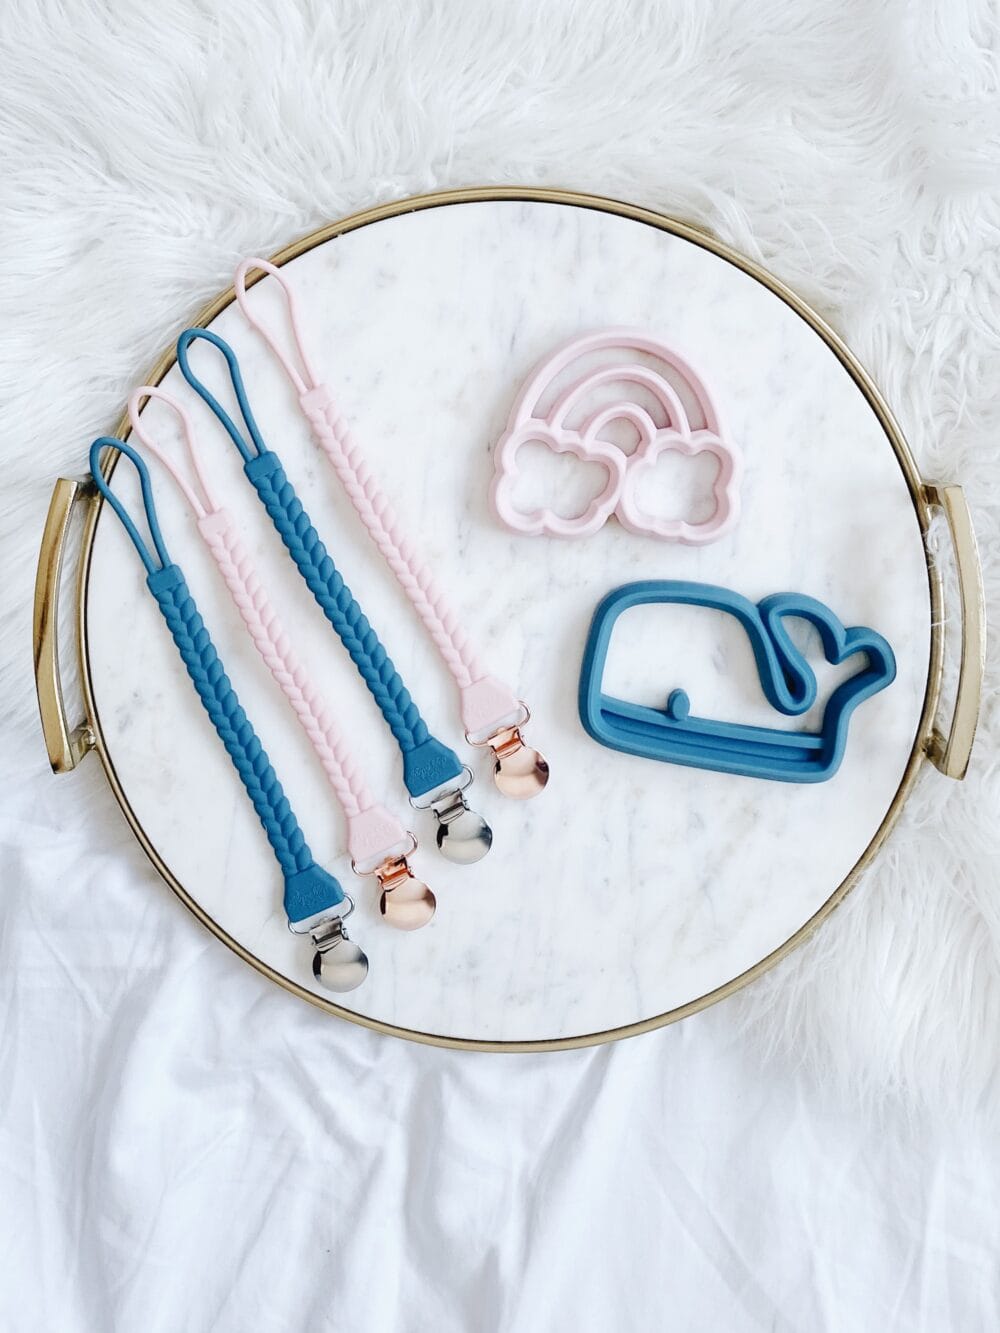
(433, 774)
(314, 901)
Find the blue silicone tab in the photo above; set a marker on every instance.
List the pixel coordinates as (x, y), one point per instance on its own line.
(310, 892)
(428, 765)
(304, 880)
(672, 735)
(427, 762)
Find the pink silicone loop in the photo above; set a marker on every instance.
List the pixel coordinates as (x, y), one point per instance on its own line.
(201, 502)
(362, 487)
(306, 379)
(272, 643)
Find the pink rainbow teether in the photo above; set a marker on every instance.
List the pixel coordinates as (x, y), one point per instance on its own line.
(667, 428)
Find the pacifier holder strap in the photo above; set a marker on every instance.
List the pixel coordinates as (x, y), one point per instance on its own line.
(491, 713)
(310, 892)
(375, 837)
(432, 772)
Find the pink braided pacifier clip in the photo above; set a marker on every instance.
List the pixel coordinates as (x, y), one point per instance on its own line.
(377, 842)
(491, 713)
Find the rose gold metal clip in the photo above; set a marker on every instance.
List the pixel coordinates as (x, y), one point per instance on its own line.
(406, 902)
(519, 770)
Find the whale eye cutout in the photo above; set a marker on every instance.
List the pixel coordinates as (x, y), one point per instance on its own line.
(595, 399)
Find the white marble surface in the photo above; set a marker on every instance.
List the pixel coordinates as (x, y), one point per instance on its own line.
(630, 887)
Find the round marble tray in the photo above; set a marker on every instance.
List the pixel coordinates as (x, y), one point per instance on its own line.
(631, 892)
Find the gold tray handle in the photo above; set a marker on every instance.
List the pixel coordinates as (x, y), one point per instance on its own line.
(950, 753)
(66, 745)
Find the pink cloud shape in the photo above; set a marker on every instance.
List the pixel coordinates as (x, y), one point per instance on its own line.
(545, 521)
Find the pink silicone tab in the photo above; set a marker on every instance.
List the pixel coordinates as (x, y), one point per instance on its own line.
(373, 835)
(487, 704)
(677, 399)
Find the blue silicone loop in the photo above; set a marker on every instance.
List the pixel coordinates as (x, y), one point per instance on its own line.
(427, 762)
(236, 376)
(309, 890)
(145, 482)
(672, 735)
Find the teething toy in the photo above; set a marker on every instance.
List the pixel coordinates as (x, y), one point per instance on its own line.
(492, 714)
(669, 430)
(432, 773)
(315, 903)
(671, 734)
(376, 840)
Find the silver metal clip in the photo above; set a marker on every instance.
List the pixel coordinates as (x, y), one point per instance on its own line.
(338, 963)
(463, 836)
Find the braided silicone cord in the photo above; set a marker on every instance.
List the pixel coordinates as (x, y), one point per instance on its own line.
(265, 473)
(275, 648)
(334, 597)
(230, 721)
(166, 583)
(377, 514)
(257, 612)
(365, 493)
(310, 892)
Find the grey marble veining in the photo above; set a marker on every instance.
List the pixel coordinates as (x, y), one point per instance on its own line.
(630, 887)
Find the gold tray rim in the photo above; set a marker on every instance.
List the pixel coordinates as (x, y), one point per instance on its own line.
(923, 739)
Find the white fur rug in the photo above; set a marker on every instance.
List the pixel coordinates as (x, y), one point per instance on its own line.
(852, 148)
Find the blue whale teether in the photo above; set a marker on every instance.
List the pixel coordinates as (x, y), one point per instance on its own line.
(672, 735)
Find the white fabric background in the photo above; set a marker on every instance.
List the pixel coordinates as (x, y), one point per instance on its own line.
(184, 1147)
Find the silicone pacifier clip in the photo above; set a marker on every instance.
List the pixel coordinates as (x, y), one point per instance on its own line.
(433, 774)
(378, 843)
(315, 903)
(492, 714)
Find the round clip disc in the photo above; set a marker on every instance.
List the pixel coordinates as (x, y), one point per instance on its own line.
(408, 906)
(342, 968)
(521, 775)
(465, 839)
